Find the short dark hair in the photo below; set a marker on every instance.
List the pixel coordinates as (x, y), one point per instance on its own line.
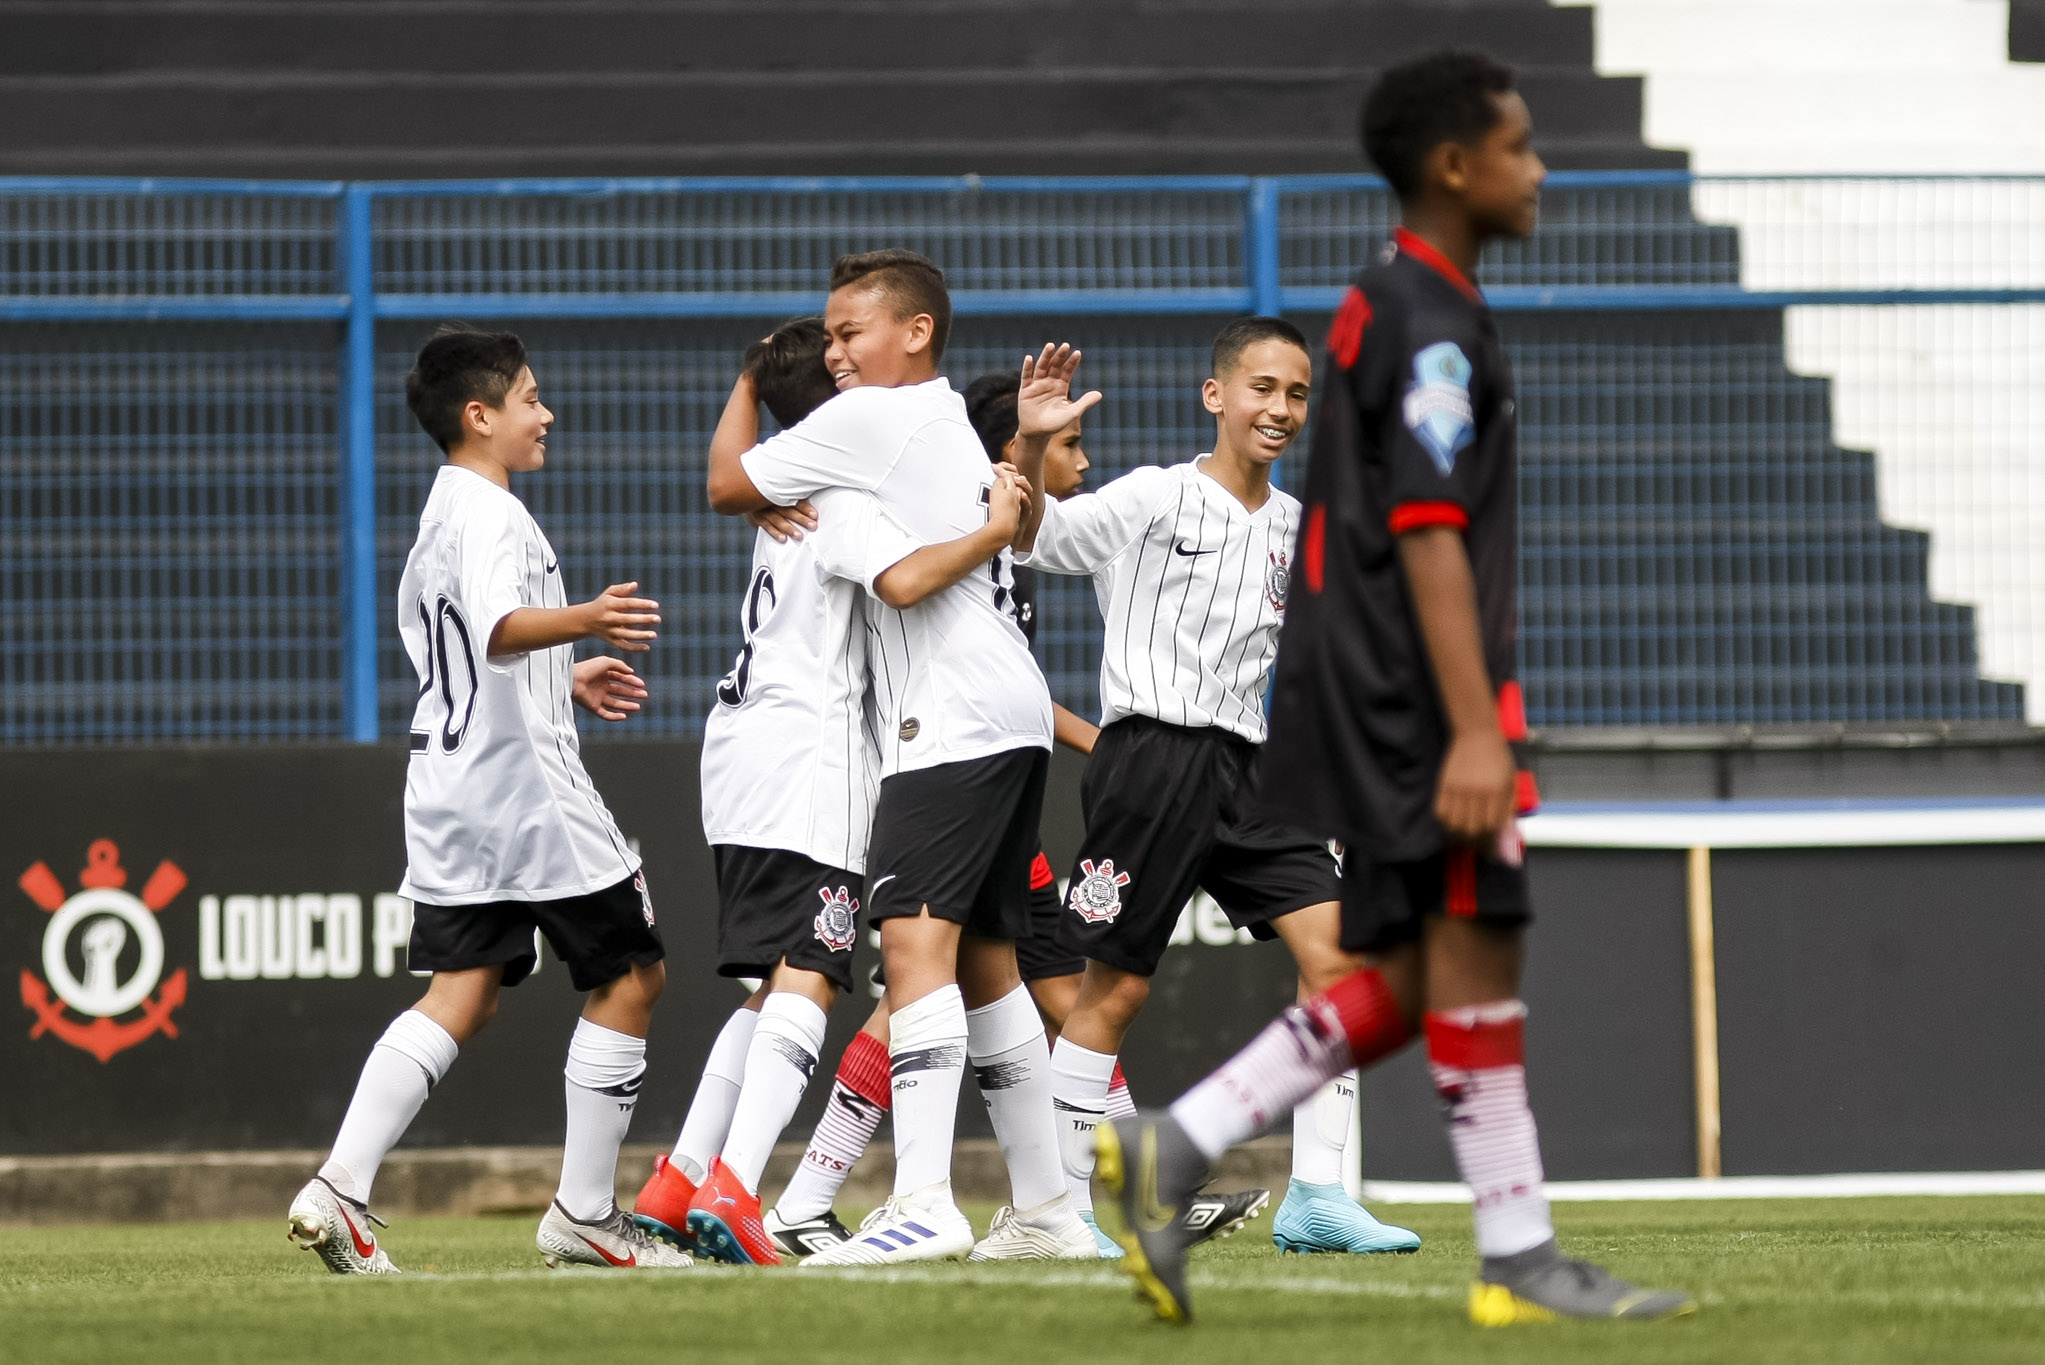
(787, 369)
(990, 407)
(458, 366)
(910, 282)
(1416, 106)
(1239, 336)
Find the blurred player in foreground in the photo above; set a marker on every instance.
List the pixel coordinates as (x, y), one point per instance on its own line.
(504, 831)
(1393, 716)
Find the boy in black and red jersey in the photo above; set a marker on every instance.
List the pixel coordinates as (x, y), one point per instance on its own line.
(1394, 712)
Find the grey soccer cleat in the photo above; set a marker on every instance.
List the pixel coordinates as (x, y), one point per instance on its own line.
(1209, 1217)
(1542, 1285)
(1152, 1168)
(324, 1220)
(616, 1240)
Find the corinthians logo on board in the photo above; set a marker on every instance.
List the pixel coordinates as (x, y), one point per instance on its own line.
(85, 1007)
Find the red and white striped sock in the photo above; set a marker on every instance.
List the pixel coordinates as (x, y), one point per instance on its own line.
(1120, 1106)
(859, 1097)
(1478, 1057)
(1355, 1022)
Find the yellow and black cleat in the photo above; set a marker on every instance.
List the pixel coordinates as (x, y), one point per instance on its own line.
(1130, 1155)
(1555, 1288)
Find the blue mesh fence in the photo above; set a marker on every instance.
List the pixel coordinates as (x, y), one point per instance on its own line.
(1720, 526)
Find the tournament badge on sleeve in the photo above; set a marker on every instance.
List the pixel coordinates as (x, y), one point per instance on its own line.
(1437, 407)
(837, 924)
(1098, 897)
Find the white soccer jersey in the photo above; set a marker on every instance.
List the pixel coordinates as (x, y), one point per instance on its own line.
(497, 805)
(1192, 584)
(789, 760)
(953, 677)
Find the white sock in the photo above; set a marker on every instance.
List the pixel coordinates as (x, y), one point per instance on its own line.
(709, 1118)
(406, 1063)
(1012, 1066)
(1080, 1080)
(1320, 1130)
(859, 1099)
(1120, 1103)
(1295, 1055)
(779, 1062)
(1476, 1056)
(603, 1074)
(927, 1060)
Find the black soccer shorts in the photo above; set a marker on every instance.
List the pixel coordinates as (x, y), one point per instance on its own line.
(1166, 812)
(601, 936)
(775, 905)
(959, 837)
(1385, 903)
(1040, 956)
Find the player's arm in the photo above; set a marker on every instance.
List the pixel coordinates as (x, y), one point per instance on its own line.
(731, 489)
(1044, 406)
(934, 568)
(1073, 731)
(616, 616)
(1474, 796)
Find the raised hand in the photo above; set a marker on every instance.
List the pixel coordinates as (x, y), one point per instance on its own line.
(1044, 405)
(608, 688)
(618, 618)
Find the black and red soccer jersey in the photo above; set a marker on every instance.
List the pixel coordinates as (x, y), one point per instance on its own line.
(1415, 429)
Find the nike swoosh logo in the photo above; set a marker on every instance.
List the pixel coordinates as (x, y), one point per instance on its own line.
(879, 884)
(1181, 549)
(627, 1261)
(555, 565)
(362, 1248)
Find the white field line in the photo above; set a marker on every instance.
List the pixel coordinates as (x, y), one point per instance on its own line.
(1732, 1187)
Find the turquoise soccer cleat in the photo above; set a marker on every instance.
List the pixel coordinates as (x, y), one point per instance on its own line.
(1109, 1251)
(1325, 1218)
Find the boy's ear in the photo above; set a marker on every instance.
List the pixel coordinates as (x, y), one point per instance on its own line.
(921, 328)
(1210, 396)
(476, 417)
(1448, 165)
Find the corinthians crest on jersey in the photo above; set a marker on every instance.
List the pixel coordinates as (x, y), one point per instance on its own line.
(1277, 580)
(837, 924)
(1097, 898)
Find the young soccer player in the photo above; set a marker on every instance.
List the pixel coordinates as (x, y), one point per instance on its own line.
(965, 725)
(1192, 568)
(802, 1221)
(1394, 714)
(788, 775)
(504, 831)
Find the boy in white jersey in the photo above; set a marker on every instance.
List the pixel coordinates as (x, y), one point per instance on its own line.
(504, 831)
(965, 730)
(1191, 565)
(789, 771)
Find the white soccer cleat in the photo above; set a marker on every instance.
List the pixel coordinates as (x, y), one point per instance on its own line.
(615, 1241)
(339, 1229)
(1052, 1231)
(923, 1226)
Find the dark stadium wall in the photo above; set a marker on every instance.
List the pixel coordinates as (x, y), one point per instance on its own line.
(1871, 1001)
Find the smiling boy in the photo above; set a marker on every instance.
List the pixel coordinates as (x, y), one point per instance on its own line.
(965, 734)
(1192, 565)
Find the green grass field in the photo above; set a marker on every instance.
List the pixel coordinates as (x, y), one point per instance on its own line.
(1863, 1280)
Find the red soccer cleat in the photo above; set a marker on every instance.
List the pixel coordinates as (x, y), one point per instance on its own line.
(724, 1221)
(662, 1207)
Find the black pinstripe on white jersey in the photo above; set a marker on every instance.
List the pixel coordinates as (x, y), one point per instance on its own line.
(1192, 586)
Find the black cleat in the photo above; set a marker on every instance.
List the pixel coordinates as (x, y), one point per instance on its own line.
(1209, 1217)
(808, 1237)
(1152, 1168)
(1542, 1285)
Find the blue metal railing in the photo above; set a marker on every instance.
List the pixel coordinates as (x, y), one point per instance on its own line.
(352, 256)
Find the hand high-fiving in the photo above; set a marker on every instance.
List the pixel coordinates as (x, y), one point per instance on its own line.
(1045, 405)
